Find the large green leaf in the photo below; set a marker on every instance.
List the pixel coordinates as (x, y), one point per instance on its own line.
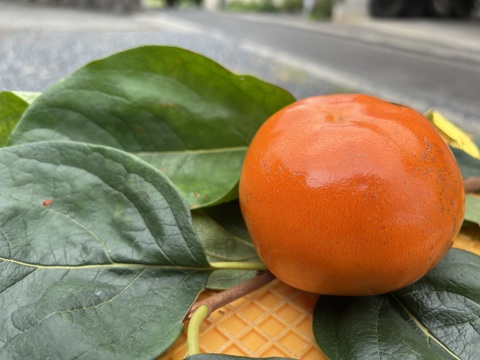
(178, 110)
(98, 256)
(438, 317)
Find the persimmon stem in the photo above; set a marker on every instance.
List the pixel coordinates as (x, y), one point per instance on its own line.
(225, 297)
(193, 332)
(238, 265)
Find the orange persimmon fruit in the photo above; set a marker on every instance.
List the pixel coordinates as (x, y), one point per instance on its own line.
(350, 195)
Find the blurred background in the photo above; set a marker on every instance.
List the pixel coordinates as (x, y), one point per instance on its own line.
(422, 53)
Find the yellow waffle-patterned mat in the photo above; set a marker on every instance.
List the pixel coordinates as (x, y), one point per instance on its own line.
(275, 320)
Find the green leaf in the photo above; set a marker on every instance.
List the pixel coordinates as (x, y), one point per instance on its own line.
(223, 279)
(12, 105)
(204, 185)
(229, 216)
(226, 357)
(176, 109)
(225, 238)
(223, 233)
(11, 109)
(98, 256)
(27, 96)
(438, 317)
(447, 301)
(472, 208)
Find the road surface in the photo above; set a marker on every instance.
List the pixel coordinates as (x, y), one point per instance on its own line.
(419, 63)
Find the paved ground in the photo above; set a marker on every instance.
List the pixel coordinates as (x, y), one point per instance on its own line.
(422, 63)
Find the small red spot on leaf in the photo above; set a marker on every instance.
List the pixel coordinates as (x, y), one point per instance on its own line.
(47, 202)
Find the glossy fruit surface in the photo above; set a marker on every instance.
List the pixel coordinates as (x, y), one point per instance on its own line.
(350, 195)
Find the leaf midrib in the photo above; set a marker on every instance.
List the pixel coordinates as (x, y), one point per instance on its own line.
(424, 329)
(106, 266)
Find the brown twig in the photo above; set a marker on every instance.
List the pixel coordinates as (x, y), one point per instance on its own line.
(472, 184)
(225, 297)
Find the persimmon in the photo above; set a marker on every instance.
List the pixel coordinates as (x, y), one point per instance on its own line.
(350, 195)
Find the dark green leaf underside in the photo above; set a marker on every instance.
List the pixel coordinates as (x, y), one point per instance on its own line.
(437, 317)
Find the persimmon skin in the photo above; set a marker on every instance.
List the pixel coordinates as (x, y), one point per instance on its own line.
(350, 195)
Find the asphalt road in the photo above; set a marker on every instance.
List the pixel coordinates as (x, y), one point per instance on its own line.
(419, 63)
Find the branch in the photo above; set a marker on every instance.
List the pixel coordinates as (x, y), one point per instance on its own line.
(472, 184)
(225, 297)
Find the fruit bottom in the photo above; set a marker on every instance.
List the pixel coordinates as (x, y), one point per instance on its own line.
(275, 320)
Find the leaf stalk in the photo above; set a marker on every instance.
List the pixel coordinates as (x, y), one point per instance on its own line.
(193, 332)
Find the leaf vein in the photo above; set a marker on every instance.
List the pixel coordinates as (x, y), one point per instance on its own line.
(106, 266)
(2, 291)
(7, 241)
(423, 328)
